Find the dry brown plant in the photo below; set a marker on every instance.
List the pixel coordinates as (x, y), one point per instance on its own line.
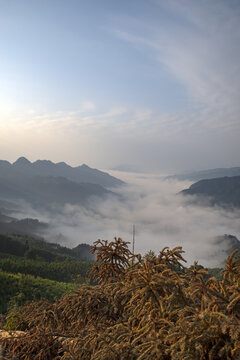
(145, 309)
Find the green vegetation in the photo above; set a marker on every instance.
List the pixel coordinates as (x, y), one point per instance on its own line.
(16, 290)
(39, 249)
(64, 271)
(30, 256)
(32, 269)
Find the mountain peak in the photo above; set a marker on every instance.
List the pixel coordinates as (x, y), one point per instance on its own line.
(63, 164)
(46, 168)
(84, 166)
(22, 161)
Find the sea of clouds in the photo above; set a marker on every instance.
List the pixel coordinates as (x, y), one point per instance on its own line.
(162, 217)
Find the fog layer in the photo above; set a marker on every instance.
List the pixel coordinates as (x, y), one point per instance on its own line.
(162, 217)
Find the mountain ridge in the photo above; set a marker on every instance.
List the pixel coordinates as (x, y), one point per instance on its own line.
(223, 191)
(206, 174)
(44, 183)
(80, 174)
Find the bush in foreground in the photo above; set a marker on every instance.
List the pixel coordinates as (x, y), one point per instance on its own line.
(142, 309)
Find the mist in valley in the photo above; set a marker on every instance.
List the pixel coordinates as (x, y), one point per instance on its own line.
(162, 216)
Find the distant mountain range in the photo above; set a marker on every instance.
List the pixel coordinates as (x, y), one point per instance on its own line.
(79, 174)
(206, 174)
(43, 182)
(223, 191)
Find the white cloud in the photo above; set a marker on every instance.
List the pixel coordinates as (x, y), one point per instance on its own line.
(198, 43)
(114, 136)
(162, 218)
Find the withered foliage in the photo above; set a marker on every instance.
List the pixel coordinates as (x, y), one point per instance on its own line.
(143, 309)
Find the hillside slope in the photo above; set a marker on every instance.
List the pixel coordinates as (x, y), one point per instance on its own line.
(46, 168)
(221, 191)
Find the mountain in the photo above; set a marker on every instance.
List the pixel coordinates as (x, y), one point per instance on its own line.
(225, 245)
(44, 183)
(80, 174)
(23, 226)
(206, 174)
(83, 252)
(18, 244)
(42, 190)
(223, 191)
(230, 243)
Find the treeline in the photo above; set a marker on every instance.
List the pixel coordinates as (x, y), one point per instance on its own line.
(16, 290)
(64, 271)
(39, 249)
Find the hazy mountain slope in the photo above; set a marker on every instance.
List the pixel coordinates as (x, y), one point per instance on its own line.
(16, 245)
(230, 243)
(43, 182)
(39, 190)
(80, 174)
(222, 191)
(5, 219)
(207, 174)
(23, 226)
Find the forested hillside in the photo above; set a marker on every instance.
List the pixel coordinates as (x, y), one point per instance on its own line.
(17, 290)
(32, 269)
(37, 248)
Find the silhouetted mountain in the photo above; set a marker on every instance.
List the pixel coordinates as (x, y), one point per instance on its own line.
(22, 161)
(80, 174)
(207, 174)
(222, 191)
(43, 182)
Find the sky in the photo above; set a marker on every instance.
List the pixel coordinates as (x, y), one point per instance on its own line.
(149, 85)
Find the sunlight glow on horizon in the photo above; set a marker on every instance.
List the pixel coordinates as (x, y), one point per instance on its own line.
(153, 84)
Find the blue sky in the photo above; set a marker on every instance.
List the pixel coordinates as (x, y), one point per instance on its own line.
(152, 84)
